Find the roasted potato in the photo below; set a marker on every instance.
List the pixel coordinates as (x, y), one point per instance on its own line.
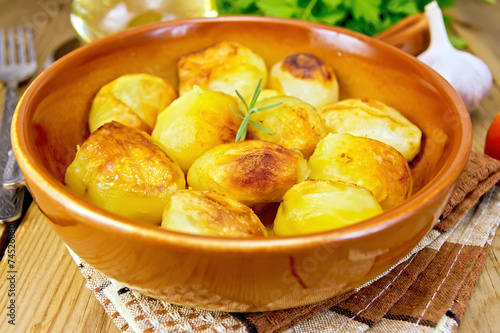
(251, 171)
(268, 93)
(210, 213)
(320, 205)
(373, 119)
(225, 66)
(305, 76)
(365, 162)
(196, 122)
(295, 124)
(134, 100)
(123, 171)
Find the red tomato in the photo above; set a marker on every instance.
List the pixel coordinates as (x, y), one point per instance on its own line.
(492, 144)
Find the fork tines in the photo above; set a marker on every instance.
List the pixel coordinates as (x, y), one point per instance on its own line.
(20, 41)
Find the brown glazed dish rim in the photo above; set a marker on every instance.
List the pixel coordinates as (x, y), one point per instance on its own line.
(102, 220)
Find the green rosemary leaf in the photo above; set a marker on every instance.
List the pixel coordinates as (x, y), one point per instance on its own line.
(260, 127)
(256, 94)
(242, 131)
(244, 134)
(250, 109)
(265, 107)
(237, 115)
(241, 108)
(242, 99)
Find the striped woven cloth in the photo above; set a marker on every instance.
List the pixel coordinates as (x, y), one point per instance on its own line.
(427, 291)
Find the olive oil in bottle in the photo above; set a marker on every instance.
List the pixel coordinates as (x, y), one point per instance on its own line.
(94, 19)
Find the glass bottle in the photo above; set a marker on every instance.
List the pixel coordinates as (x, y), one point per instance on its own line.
(95, 19)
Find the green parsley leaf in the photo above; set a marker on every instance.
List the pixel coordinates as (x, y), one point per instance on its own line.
(402, 7)
(332, 4)
(278, 8)
(368, 10)
(365, 16)
(332, 17)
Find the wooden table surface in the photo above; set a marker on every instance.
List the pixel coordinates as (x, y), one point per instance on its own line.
(50, 291)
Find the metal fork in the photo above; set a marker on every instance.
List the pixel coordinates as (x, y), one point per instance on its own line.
(17, 64)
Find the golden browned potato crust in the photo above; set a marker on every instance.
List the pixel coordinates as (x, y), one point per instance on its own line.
(225, 66)
(368, 163)
(373, 119)
(212, 214)
(121, 169)
(295, 124)
(134, 100)
(307, 77)
(251, 172)
(307, 66)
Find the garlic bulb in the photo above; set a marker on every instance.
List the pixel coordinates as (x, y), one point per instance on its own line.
(468, 74)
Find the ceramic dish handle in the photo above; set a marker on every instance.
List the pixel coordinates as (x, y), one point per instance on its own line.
(410, 34)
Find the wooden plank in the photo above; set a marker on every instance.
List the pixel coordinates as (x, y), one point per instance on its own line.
(50, 291)
(477, 23)
(50, 295)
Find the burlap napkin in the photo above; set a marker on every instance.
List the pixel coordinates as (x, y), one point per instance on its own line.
(428, 290)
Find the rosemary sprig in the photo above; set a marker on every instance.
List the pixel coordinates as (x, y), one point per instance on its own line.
(250, 109)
